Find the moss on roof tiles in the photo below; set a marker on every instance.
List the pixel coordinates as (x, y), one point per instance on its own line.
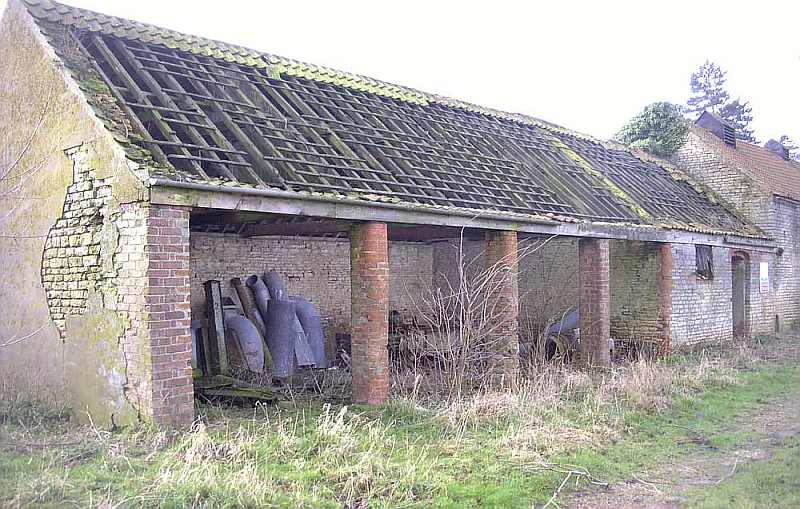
(51, 13)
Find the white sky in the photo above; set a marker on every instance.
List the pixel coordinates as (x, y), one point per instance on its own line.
(587, 65)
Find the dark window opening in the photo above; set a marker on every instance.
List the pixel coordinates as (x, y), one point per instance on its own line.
(705, 262)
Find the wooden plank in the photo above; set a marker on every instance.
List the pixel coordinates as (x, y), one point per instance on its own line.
(216, 326)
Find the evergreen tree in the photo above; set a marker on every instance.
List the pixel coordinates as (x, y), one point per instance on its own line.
(659, 129)
(709, 94)
(739, 115)
(708, 89)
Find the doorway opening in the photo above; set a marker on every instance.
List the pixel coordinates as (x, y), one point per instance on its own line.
(740, 265)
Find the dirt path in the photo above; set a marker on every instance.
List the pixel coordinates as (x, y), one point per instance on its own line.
(663, 486)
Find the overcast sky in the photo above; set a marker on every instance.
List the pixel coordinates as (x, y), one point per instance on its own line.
(588, 66)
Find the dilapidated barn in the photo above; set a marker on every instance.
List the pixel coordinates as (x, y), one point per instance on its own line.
(141, 163)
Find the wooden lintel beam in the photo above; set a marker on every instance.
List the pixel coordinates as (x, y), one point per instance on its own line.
(296, 228)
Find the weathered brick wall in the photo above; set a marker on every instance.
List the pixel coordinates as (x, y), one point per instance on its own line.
(701, 309)
(317, 269)
(71, 262)
(131, 282)
(503, 304)
(635, 291)
(786, 273)
(707, 166)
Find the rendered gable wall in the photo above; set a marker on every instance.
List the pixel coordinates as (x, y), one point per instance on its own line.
(71, 216)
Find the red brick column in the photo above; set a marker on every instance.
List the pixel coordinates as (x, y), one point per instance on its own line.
(503, 306)
(595, 301)
(167, 311)
(665, 298)
(369, 276)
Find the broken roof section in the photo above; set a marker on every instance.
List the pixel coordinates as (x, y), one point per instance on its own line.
(196, 110)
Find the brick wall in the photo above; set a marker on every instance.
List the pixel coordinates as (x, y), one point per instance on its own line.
(701, 309)
(71, 263)
(503, 298)
(635, 291)
(131, 282)
(707, 166)
(317, 269)
(786, 273)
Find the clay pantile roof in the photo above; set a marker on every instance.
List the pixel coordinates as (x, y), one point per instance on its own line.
(198, 110)
(770, 171)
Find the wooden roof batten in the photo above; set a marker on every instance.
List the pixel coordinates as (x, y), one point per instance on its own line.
(224, 119)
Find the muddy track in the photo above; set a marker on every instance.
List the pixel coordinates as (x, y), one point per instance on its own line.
(663, 486)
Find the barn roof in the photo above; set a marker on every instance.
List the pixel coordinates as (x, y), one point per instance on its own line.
(197, 110)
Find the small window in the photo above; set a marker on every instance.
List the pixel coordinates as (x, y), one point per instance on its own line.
(705, 262)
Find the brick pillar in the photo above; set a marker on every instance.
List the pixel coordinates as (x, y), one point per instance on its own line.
(503, 305)
(595, 301)
(168, 315)
(369, 276)
(665, 298)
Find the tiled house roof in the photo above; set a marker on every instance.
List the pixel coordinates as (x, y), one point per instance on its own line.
(774, 174)
(203, 111)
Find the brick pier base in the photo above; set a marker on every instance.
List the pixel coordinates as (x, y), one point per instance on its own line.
(369, 276)
(595, 301)
(503, 305)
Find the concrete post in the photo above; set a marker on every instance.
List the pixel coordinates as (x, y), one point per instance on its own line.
(595, 301)
(369, 276)
(503, 305)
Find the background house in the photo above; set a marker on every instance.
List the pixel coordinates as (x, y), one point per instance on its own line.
(763, 183)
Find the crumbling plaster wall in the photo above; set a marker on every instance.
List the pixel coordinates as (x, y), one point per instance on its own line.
(64, 186)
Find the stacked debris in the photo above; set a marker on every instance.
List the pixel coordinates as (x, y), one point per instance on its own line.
(260, 329)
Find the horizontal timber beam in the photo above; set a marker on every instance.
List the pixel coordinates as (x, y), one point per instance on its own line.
(275, 201)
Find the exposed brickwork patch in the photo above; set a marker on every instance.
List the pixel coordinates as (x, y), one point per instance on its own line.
(71, 264)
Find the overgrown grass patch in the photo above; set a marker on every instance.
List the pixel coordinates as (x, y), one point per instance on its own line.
(489, 449)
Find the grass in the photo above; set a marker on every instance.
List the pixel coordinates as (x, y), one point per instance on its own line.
(490, 449)
(771, 483)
